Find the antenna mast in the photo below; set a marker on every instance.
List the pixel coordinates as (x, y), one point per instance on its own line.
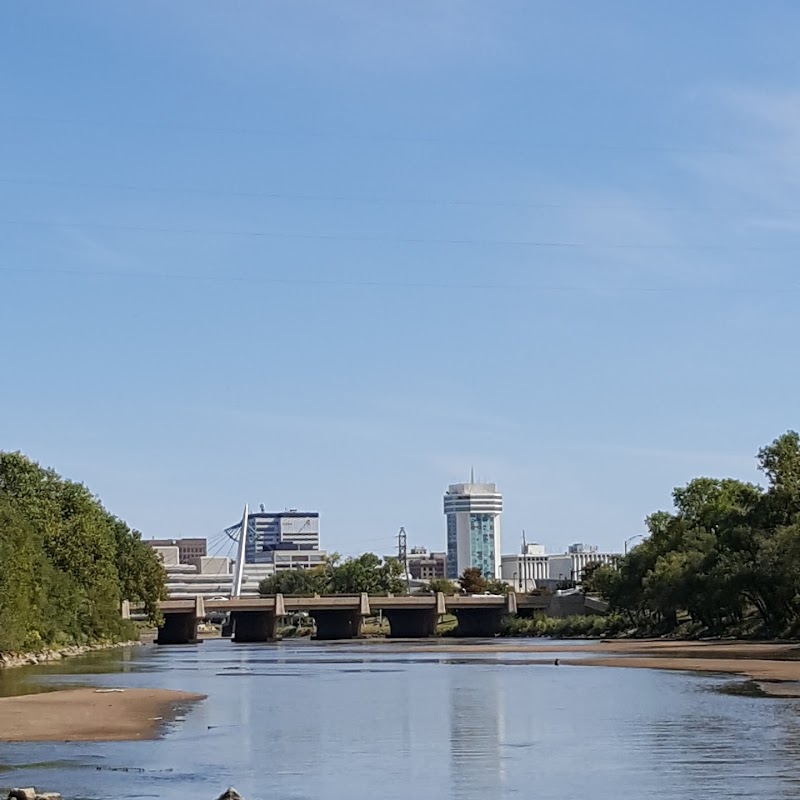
(402, 555)
(524, 569)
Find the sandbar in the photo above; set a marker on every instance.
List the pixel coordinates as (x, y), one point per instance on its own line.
(774, 666)
(89, 715)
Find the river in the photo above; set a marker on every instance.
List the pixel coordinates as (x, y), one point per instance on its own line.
(369, 721)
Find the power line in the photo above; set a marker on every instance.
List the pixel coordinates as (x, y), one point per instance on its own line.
(388, 137)
(448, 286)
(387, 200)
(332, 237)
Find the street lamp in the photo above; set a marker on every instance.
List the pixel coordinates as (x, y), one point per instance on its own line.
(630, 539)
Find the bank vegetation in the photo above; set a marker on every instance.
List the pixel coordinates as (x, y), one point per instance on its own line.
(66, 563)
(725, 561)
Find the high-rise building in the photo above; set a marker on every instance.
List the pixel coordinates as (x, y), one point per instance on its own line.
(283, 530)
(473, 528)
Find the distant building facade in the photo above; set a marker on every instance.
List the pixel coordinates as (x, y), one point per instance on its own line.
(569, 566)
(522, 570)
(283, 530)
(188, 549)
(473, 528)
(426, 566)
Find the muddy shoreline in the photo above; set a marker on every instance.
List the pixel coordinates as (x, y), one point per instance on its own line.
(12, 660)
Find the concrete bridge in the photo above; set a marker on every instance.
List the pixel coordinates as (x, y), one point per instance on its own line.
(341, 616)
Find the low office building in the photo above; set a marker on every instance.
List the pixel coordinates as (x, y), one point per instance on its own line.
(207, 577)
(426, 566)
(188, 549)
(522, 570)
(570, 566)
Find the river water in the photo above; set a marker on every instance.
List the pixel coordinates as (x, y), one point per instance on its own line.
(372, 721)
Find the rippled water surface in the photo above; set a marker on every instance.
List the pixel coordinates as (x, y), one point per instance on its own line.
(367, 721)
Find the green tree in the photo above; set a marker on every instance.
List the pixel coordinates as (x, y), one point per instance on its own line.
(67, 560)
(587, 576)
(19, 595)
(142, 577)
(472, 581)
(368, 573)
(729, 550)
(496, 586)
(443, 585)
(306, 582)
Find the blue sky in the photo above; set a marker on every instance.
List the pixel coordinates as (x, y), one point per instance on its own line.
(333, 255)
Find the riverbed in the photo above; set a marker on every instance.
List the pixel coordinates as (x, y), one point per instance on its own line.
(365, 721)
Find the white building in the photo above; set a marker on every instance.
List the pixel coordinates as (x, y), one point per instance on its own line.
(473, 528)
(523, 569)
(213, 577)
(208, 577)
(569, 566)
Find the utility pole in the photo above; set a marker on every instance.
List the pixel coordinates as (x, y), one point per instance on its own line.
(525, 569)
(402, 555)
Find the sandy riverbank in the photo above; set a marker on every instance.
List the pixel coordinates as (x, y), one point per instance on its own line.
(88, 715)
(774, 666)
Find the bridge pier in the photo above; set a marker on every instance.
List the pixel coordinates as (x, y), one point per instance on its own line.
(259, 625)
(180, 627)
(478, 622)
(341, 623)
(254, 626)
(414, 623)
(337, 624)
(411, 623)
(484, 622)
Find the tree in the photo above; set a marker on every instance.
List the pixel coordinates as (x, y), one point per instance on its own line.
(780, 462)
(729, 550)
(496, 586)
(587, 576)
(443, 585)
(365, 573)
(296, 582)
(19, 559)
(472, 581)
(65, 562)
(368, 573)
(142, 577)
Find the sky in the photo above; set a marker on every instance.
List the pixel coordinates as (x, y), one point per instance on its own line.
(333, 256)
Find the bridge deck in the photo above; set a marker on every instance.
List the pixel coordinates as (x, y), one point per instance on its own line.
(293, 603)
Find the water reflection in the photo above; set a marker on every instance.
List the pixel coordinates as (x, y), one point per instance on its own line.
(356, 722)
(476, 731)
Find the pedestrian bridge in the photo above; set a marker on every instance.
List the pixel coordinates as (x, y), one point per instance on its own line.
(341, 616)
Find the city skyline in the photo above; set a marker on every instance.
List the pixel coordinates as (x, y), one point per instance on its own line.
(313, 257)
(291, 529)
(433, 540)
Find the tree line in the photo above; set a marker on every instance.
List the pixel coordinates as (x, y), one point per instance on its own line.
(66, 563)
(365, 573)
(371, 574)
(725, 560)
